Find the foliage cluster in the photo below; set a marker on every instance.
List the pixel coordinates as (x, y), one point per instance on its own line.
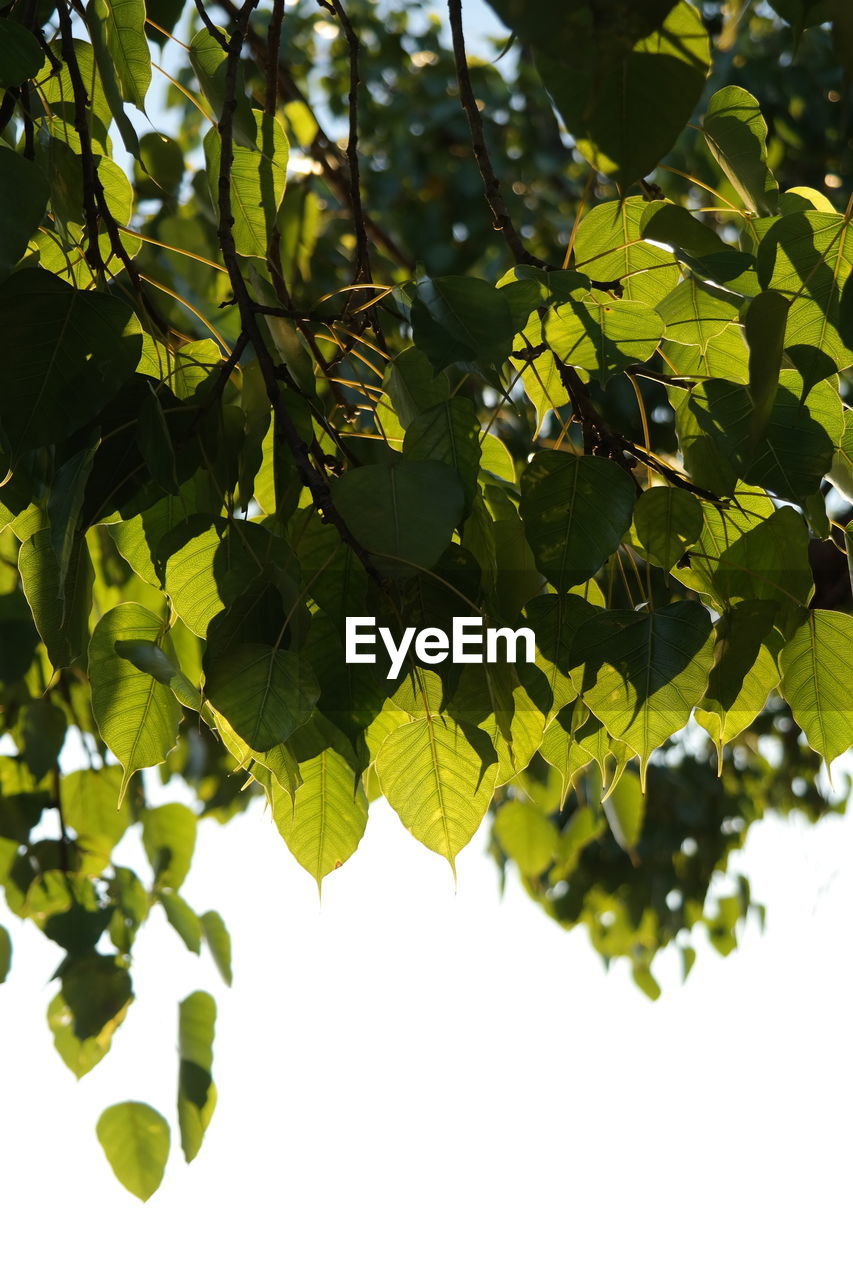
(561, 340)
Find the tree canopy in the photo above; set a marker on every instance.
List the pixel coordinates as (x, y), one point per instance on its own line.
(355, 323)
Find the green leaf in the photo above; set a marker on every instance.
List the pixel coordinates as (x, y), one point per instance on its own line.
(150, 659)
(625, 809)
(438, 783)
(264, 693)
(71, 354)
(817, 680)
(182, 918)
(555, 620)
(5, 940)
(63, 626)
(603, 335)
(625, 105)
(404, 513)
(736, 134)
(96, 988)
(789, 457)
(79, 1055)
(20, 54)
(137, 717)
(196, 1090)
(412, 386)
(462, 320)
(323, 822)
(208, 568)
(526, 835)
(744, 672)
(168, 836)
(697, 311)
(90, 806)
(123, 25)
(43, 726)
(609, 246)
(447, 433)
(645, 671)
(258, 180)
(765, 327)
(806, 256)
(758, 553)
(576, 510)
(667, 521)
(218, 940)
(23, 200)
(136, 1140)
(19, 637)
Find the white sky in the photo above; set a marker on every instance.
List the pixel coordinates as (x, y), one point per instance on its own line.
(418, 1084)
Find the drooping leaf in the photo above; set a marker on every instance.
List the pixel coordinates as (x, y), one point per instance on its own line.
(218, 940)
(459, 319)
(264, 692)
(645, 672)
(196, 1090)
(168, 836)
(525, 834)
(447, 433)
(123, 25)
(817, 680)
(576, 510)
(95, 988)
(63, 624)
(136, 1141)
(405, 513)
(71, 354)
(23, 199)
(323, 822)
(439, 780)
(743, 674)
(736, 134)
(625, 810)
(667, 521)
(91, 808)
(137, 716)
(806, 256)
(20, 54)
(182, 918)
(79, 1055)
(625, 103)
(258, 180)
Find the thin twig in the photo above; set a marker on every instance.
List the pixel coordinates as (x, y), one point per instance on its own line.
(501, 220)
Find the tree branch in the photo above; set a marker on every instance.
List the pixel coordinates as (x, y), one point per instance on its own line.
(322, 149)
(501, 220)
(285, 431)
(601, 439)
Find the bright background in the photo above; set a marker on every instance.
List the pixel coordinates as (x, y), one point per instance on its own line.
(417, 1083)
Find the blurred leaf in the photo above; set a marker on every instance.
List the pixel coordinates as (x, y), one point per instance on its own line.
(136, 1140)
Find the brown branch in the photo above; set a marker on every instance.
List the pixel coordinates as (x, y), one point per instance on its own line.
(501, 220)
(285, 431)
(273, 52)
(95, 204)
(211, 26)
(81, 125)
(601, 439)
(362, 259)
(322, 149)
